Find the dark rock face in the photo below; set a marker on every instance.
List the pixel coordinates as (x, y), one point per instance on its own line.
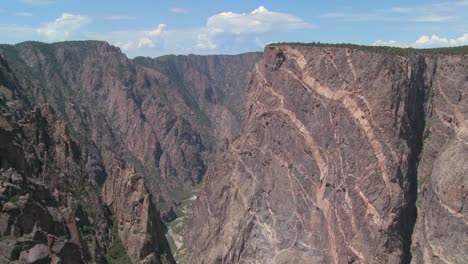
(37, 158)
(36, 216)
(327, 163)
(169, 215)
(442, 225)
(211, 85)
(137, 133)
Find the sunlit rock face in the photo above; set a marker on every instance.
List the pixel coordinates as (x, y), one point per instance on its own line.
(328, 167)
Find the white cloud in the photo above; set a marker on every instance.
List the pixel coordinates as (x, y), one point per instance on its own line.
(205, 39)
(179, 10)
(23, 14)
(63, 27)
(37, 2)
(125, 45)
(157, 31)
(226, 32)
(259, 20)
(425, 41)
(127, 40)
(119, 17)
(385, 43)
(145, 42)
(435, 40)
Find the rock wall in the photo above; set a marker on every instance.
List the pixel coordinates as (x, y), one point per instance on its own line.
(440, 234)
(51, 212)
(143, 134)
(331, 155)
(326, 168)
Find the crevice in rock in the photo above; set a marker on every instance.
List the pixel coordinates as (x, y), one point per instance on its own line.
(413, 131)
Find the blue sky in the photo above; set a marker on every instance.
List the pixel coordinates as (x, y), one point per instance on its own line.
(153, 28)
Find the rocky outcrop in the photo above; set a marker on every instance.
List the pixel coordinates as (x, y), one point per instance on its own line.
(140, 134)
(53, 213)
(43, 195)
(35, 225)
(327, 164)
(159, 114)
(139, 226)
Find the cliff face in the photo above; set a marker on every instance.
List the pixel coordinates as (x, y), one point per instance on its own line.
(442, 224)
(216, 85)
(327, 166)
(51, 212)
(143, 133)
(343, 156)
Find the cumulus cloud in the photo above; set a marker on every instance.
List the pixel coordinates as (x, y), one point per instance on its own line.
(426, 41)
(150, 37)
(179, 10)
(63, 27)
(260, 20)
(145, 42)
(435, 40)
(125, 45)
(157, 31)
(225, 32)
(205, 38)
(133, 40)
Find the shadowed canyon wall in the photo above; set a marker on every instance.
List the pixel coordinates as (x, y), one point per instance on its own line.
(141, 135)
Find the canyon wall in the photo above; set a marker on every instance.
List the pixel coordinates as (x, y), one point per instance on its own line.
(144, 135)
(327, 167)
(311, 154)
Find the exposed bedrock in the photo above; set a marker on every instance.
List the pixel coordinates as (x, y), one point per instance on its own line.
(327, 164)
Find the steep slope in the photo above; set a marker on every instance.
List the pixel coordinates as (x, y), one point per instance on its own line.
(149, 132)
(106, 98)
(214, 87)
(215, 83)
(442, 226)
(326, 167)
(51, 210)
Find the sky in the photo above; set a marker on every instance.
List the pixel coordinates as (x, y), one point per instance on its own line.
(153, 28)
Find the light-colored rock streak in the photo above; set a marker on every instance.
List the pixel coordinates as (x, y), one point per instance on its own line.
(450, 210)
(349, 103)
(350, 63)
(322, 203)
(355, 251)
(313, 146)
(370, 208)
